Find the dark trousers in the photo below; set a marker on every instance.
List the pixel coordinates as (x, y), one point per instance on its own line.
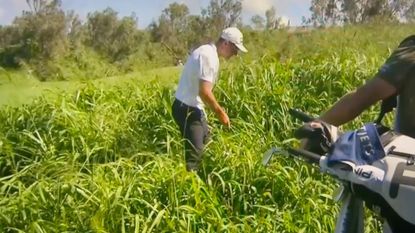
(194, 129)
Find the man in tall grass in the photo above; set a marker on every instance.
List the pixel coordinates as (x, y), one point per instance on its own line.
(194, 91)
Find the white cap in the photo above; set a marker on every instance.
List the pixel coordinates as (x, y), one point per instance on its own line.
(234, 36)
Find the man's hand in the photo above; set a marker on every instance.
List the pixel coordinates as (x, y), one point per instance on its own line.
(224, 119)
(315, 137)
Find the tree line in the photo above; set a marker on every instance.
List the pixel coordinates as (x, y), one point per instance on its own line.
(335, 12)
(46, 33)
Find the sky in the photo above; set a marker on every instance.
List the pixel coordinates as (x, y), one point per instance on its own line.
(149, 10)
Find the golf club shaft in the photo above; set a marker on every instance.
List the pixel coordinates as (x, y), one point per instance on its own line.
(313, 157)
(300, 115)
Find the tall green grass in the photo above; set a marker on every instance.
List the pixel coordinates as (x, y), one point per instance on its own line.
(110, 159)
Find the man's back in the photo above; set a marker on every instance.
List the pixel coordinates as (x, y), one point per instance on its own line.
(202, 63)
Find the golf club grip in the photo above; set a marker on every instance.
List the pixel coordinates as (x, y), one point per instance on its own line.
(313, 157)
(300, 115)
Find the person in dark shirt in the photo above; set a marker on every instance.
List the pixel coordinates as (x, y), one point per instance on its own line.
(395, 77)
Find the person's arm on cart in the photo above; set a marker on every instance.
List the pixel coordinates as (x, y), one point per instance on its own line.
(354, 103)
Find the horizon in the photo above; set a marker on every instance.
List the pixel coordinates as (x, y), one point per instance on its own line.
(147, 12)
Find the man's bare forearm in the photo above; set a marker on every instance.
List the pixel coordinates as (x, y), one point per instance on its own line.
(354, 103)
(209, 99)
(343, 111)
(205, 93)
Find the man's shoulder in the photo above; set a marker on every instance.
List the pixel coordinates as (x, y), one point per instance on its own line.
(406, 54)
(401, 59)
(206, 50)
(398, 67)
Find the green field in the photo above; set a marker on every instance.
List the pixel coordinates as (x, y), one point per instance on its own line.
(19, 87)
(105, 155)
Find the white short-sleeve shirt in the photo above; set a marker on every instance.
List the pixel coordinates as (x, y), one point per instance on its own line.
(203, 63)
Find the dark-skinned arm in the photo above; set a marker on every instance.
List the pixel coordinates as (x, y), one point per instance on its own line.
(354, 103)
